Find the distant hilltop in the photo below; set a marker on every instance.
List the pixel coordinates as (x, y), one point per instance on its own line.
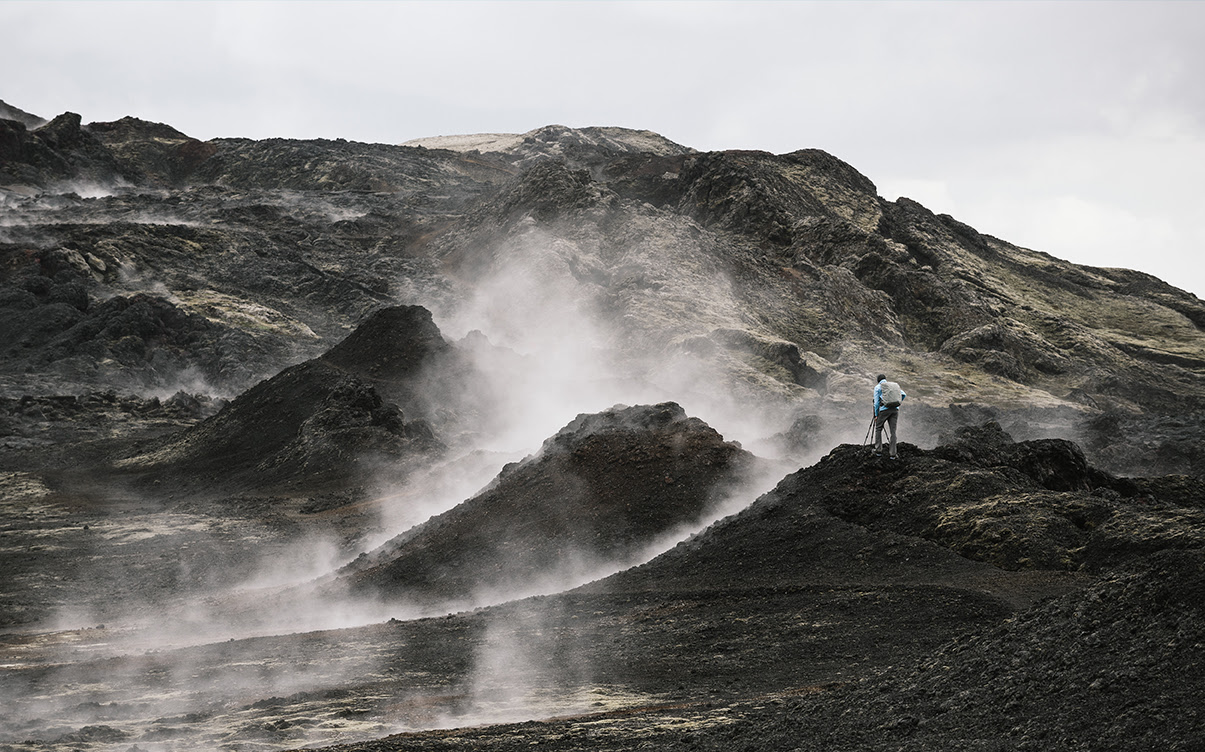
(610, 138)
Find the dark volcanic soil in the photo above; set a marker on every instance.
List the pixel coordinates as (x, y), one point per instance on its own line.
(765, 631)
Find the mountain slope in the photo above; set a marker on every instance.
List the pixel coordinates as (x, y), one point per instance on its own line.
(389, 322)
(935, 649)
(745, 262)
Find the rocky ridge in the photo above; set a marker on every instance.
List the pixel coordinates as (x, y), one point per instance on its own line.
(785, 277)
(222, 360)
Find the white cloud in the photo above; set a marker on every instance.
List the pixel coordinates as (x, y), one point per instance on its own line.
(1093, 233)
(1096, 199)
(933, 194)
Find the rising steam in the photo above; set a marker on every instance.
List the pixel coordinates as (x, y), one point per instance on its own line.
(540, 327)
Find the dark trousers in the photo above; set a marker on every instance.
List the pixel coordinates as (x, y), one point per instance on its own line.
(890, 418)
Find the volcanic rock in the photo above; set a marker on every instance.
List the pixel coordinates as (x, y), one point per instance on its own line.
(1115, 666)
(8, 112)
(667, 247)
(599, 492)
(581, 148)
(765, 629)
(392, 349)
(797, 248)
(161, 154)
(1026, 505)
(58, 152)
(51, 324)
(318, 423)
(341, 165)
(1024, 576)
(1042, 659)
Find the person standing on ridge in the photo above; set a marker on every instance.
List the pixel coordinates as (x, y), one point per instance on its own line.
(887, 398)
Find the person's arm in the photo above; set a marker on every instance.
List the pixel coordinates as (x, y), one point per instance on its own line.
(878, 397)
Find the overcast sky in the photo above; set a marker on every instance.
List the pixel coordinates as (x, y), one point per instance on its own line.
(1075, 128)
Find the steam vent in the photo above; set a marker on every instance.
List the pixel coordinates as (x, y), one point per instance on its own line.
(560, 438)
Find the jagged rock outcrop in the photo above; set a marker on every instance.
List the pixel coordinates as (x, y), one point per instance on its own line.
(256, 290)
(62, 422)
(61, 151)
(599, 492)
(325, 423)
(162, 155)
(1032, 505)
(588, 148)
(807, 253)
(275, 164)
(51, 324)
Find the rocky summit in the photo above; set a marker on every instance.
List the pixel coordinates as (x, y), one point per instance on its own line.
(560, 438)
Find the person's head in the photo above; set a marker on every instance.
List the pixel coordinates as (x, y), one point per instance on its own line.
(879, 378)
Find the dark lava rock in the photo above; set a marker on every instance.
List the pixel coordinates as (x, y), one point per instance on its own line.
(59, 151)
(735, 191)
(1117, 666)
(973, 657)
(94, 735)
(393, 349)
(1056, 464)
(589, 147)
(1007, 348)
(548, 190)
(599, 491)
(57, 319)
(321, 232)
(58, 422)
(340, 165)
(907, 600)
(161, 154)
(318, 423)
(31, 121)
(1017, 506)
(51, 324)
(751, 193)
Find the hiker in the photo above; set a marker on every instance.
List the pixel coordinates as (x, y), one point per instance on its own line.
(887, 398)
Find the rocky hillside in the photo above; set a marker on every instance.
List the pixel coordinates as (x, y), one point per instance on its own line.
(273, 411)
(976, 591)
(138, 258)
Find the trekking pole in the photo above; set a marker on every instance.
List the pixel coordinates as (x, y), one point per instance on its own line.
(868, 431)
